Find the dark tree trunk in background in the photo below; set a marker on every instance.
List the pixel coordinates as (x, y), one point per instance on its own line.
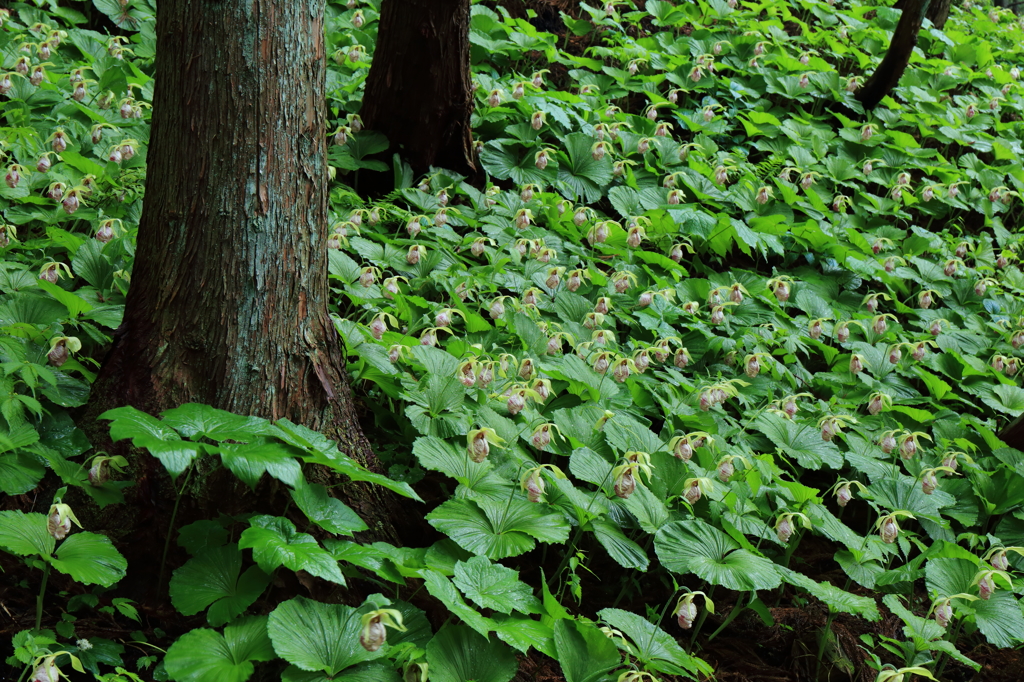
(904, 39)
(419, 90)
(938, 13)
(229, 294)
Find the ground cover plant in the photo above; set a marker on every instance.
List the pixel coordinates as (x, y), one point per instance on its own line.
(707, 353)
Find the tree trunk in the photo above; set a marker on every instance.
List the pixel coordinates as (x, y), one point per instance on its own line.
(938, 13)
(228, 303)
(904, 39)
(419, 90)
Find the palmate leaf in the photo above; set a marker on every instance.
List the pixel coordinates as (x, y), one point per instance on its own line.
(207, 656)
(1005, 398)
(497, 529)
(211, 578)
(697, 547)
(194, 420)
(580, 176)
(318, 637)
(19, 473)
(800, 441)
(457, 654)
(249, 461)
(274, 542)
(513, 161)
(91, 559)
(999, 618)
(25, 534)
(493, 586)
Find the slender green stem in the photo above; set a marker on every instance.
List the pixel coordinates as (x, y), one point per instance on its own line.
(732, 614)
(700, 620)
(170, 527)
(826, 631)
(39, 599)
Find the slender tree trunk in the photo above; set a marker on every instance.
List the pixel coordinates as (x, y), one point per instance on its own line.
(228, 303)
(419, 90)
(904, 39)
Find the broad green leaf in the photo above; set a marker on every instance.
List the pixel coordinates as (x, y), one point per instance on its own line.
(801, 441)
(837, 600)
(207, 656)
(274, 542)
(498, 529)
(442, 589)
(249, 461)
(624, 551)
(318, 637)
(493, 586)
(19, 473)
(90, 558)
(999, 618)
(584, 652)
(25, 534)
(651, 643)
(328, 512)
(194, 420)
(211, 578)
(697, 547)
(457, 654)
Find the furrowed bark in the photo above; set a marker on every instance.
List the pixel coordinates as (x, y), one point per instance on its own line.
(419, 90)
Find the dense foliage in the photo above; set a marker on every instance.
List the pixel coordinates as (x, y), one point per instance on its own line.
(708, 322)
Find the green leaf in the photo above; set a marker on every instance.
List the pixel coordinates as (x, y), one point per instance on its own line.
(999, 618)
(584, 652)
(207, 656)
(580, 176)
(90, 264)
(212, 578)
(457, 654)
(90, 558)
(651, 643)
(318, 637)
(624, 551)
(837, 600)
(497, 529)
(274, 542)
(25, 534)
(522, 632)
(442, 589)
(697, 547)
(19, 473)
(493, 586)
(249, 461)
(1005, 398)
(799, 440)
(328, 512)
(195, 420)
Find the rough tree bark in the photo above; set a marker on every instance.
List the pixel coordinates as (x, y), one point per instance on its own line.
(904, 39)
(229, 292)
(938, 13)
(419, 90)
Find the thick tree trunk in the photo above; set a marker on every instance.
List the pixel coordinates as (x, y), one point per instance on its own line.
(904, 39)
(419, 90)
(228, 303)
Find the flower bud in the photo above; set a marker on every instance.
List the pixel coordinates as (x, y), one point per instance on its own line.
(943, 613)
(516, 403)
(782, 292)
(895, 355)
(908, 448)
(828, 430)
(929, 482)
(844, 495)
(58, 355)
(373, 634)
(856, 364)
(889, 531)
(99, 473)
(999, 561)
(986, 586)
(693, 493)
(924, 299)
(625, 484)
(58, 525)
(725, 470)
(784, 530)
(13, 177)
(686, 613)
(876, 404)
(541, 437)
(534, 487)
(43, 165)
(919, 352)
(681, 358)
(413, 227)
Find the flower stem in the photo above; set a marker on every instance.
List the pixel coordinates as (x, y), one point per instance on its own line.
(170, 528)
(39, 599)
